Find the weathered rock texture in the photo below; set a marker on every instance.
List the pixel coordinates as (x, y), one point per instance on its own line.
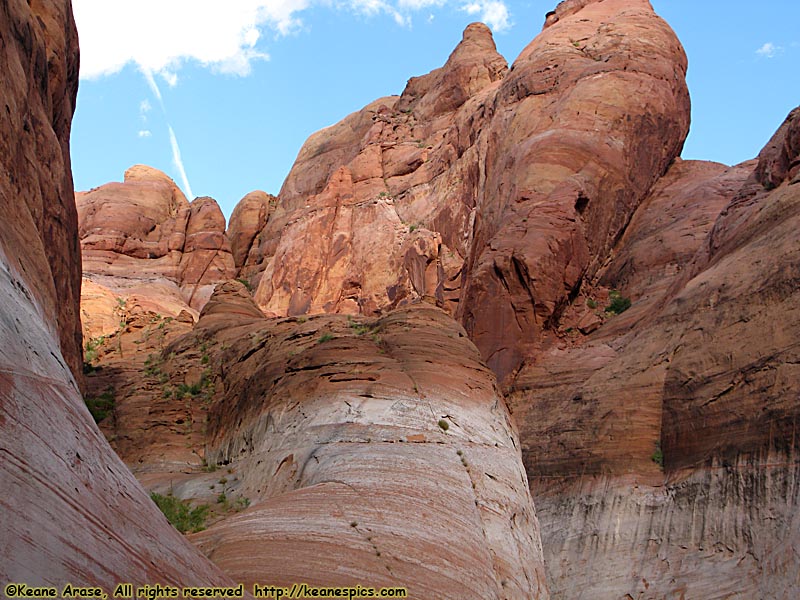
(368, 451)
(371, 450)
(377, 209)
(146, 245)
(660, 443)
(69, 511)
(600, 109)
(247, 221)
(700, 375)
(39, 85)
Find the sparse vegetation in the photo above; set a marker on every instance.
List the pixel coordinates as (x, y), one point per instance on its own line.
(444, 424)
(91, 348)
(658, 455)
(359, 328)
(617, 303)
(246, 283)
(209, 468)
(192, 390)
(101, 405)
(152, 365)
(591, 303)
(325, 337)
(180, 513)
(413, 228)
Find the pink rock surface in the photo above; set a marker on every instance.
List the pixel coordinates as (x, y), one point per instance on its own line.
(371, 450)
(669, 433)
(70, 511)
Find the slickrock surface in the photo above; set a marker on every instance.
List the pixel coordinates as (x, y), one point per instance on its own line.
(371, 450)
(700, 374)
(332, 450)
(38, 86)
(69, 510)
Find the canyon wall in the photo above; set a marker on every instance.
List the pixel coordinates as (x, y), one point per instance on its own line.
(521, 209)
(70, 510)
(495, 191)
(669, 433)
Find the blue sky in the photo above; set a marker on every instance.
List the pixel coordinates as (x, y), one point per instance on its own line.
(236, 87)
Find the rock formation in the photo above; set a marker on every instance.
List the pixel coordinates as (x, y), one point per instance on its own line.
(248, 220)
(344, 423)
(669, 434)
(382, 441)
(70, 511)
(497, 194)
(143, 243)
(373, 439)
(591, 114)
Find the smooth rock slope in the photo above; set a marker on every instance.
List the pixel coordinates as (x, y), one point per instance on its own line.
(70, 511)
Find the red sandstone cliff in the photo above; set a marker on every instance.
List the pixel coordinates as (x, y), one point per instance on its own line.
(496, 193)
(659, 443)
(669, 433)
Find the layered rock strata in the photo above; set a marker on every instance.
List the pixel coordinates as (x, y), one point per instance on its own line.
(669, 433)
(332, 451)
(371, 450)
(70, 511)
(144, 244)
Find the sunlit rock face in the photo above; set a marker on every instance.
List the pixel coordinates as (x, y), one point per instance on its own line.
(142, 240)
(497, 192)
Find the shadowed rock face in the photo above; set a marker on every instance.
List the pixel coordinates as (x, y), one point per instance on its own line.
(591, 114)
(39, 81)
(248, 220)
(700, 376)
(69, 511)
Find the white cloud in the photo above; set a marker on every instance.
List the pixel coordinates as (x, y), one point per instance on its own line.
(151, 82)
(178, 162)
(145, 133)
(769, 50)
(159, 36)
(492, 12)
(145, 106)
